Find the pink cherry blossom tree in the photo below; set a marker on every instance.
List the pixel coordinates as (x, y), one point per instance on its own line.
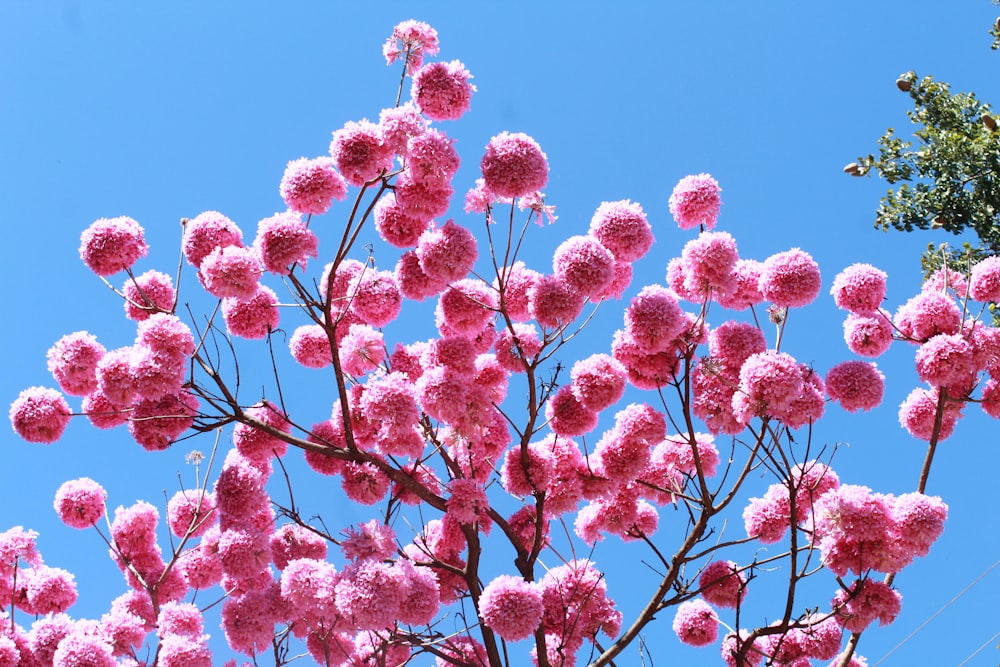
(477, 452)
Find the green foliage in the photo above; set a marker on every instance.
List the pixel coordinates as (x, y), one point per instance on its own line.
(948, 176)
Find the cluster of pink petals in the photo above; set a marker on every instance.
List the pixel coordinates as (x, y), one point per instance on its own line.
(395, 225)
(622, 228)
(254, 317)
(512, 607)
(284, 240)
(584, 265)
(40, 414)
(359, 152)
(860, 288)
(514, 165)
(868, 335)
(73, 362)
(442, 90)
(447, 253)
(928, 314)
(695, 201)
(310, 186)
(576, 605)
(864, 602)
(412, 40)
(984, 282)
(722, 584)
(707, 265)
(110, 245)
(856, 385)
(149, 293)
(790, 279)
(773, 384)
(231, 271)
(918, 414)
(80, 502)
(696, 623)
(206, 232)
(554, 304)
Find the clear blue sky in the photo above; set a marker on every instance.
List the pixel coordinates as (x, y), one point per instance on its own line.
(162, 110)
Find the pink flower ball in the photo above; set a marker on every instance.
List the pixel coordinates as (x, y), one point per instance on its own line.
(790, 279)
(920, 520)
(622, 228)
(984, 283)
(231, 271)
(512, 607)
(945, 360)
(722, 584)
(73, 362)
(928, 314)
(412, 40)
(732, 343)
(598, 382)
(101, 412)
(864, 602)
(205, 233)
(191, 512)
(164, 333)
(442, 90)
(359, 152)
(447, 253)
(284, 240)
(423, 199)
(696, 623)
(362, 349)
(514, 165)
(80, 502)
(40, 414)
(310, 346)
(860, 288)
(111, 245)
(654, 319)
(567, 416)
(708, 262)
(413, 282)
(584, 265)
(746, 292)
(769, 383)
(553, 303)
(868, 335)
(156, 424)
(395, 225)
(310, 186)
(149, 293)
(466, 307)
(376, 298)
(990, 398)
(399, 124)
(645, 371)
(695, 201)
(517, 281)
(253, 318)
(370, 593)
(292, 542)
(432, 156)
(516, 348)
(857, 385)
(917, 415)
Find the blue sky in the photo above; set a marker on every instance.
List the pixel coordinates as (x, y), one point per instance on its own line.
(161, 111)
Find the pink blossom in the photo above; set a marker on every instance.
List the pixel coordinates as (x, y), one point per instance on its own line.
(292, 541)
(191, 512)
(769, 384)
(239, 489)
(156, 424)
(466, 307)
(984, 283)
(156, 374)
(733, 645)
(919, 520)
(654, 319)
(78, 648)
(790, 279)
(645, 371)
(945, 360)
(399, 124)
(167, 334)
(732, 343)
(283, 241)
(310, 186)
(746, 293)
(696, 623)
(376, 297)
(990, 398)
(575, 600)
(768, 519)
(514, 165)
(860, 288)
(622, 228)
(918, 412)
(40, 415)
(310, 346)
(467, 502)
(101, 412)
(110, 245)
(708, 263)
(465, 649)
(620, 283)
(73, 362)
(865, 601)
(516, 348)
(432, 155)
(134, 530)
(148, 293)
(231, 271)
(598, 381)
(359, 152)
(362, 349)
(696, 201)
(584, 265)
(928, 314)
(714, 386)
(857, 385)
(115, 380)
(946, 280)
(722, 584)
(524, 474)
(567, 416)
(395, 225)
(370, 594)
(853, 525)
(866, 335)
(512, 607)
(253, 318)
(180, 618)
(364, 483)
(80, 502)
(442, 90)
(620, 458)
(371, 540)
(248, 623)
(50, 590)
(423, 199)
(45, 635)
(413, 282)
(412, 40)
(448, 253)
(676, 454)
(184, 651)
(206, 232)
(553, 303)
(244, 553)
